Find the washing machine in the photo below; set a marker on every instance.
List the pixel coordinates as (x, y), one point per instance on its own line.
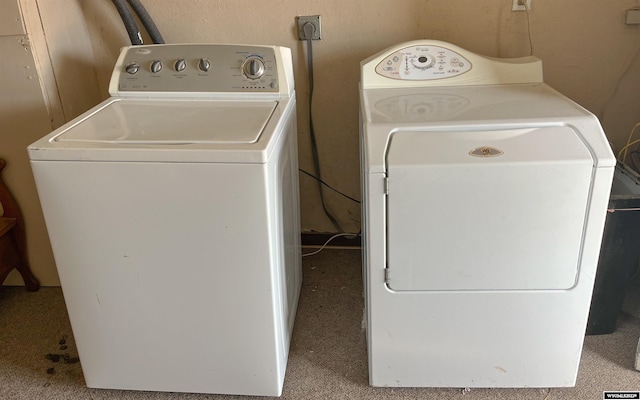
(173, 212)
(484, 200)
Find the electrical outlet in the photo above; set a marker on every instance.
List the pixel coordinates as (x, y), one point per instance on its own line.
(519, 5)
(314, 20)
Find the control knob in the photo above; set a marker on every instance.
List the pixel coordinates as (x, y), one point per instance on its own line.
(253, 68)
(423, 62)
(156, 66)
(132, 68)
(180, 65)
(204, 65)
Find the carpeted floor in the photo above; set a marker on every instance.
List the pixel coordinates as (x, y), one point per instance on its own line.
(327, 358)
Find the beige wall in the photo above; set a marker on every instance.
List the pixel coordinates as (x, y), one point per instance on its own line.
(23, 119)
(588, 53)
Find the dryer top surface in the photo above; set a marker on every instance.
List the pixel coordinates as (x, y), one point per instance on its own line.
(479, 108)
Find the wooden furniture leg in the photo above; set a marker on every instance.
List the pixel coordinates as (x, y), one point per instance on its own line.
(13, 243)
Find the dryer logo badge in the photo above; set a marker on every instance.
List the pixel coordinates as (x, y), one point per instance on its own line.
(486, 151)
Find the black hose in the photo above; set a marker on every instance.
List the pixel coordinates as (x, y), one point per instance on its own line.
(128, 21)
(147, 21)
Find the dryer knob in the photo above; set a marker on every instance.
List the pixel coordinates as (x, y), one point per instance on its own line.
(424, 62)
(253, 68)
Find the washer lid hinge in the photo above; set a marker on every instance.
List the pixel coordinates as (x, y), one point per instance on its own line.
(386, 275)
(386, 185)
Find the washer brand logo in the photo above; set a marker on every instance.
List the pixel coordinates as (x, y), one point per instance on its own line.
(486, 151)
(621, 395)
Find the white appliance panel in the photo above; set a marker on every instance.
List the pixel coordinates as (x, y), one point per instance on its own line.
(486, 217)
(424, 63)
(173, 213)
(166, 122)
(145, 294)
(484, 201)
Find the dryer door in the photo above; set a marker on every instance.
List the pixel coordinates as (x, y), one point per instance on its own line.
(486, 210)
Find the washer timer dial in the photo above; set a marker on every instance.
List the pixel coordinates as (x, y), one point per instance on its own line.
(253, 67)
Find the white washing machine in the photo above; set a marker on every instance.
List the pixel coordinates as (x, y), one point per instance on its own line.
(173, 212)
(484, 193)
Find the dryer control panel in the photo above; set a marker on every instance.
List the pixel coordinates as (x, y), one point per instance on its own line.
(423, 63)
(427, 63)
(199, 69)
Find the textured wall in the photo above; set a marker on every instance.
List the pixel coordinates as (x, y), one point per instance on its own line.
(588, 54)
(23, 119)
(587, 51)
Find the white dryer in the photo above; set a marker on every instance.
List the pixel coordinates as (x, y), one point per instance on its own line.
(484, 200)
(173, 212)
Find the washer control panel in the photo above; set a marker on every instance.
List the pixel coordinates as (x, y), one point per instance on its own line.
(420, 63)
(196, 68)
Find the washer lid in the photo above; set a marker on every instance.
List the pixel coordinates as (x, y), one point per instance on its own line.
(172, 130)
(173, 122)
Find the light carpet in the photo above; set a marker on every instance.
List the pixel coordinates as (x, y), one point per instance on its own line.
(327, 358)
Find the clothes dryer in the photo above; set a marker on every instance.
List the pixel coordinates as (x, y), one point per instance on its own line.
(173, 213)
(484, 200)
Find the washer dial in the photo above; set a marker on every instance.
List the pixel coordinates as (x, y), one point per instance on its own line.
(132, 68)
(156, 66)
(180, 65)
(253, 67)
(204, 65)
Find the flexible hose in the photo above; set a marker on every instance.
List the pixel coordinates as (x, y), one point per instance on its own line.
(128, 21)
(147, 21)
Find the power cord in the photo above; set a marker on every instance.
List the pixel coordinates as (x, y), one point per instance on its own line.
(526, 8)
(337, 235)
(309, 29)
(622, 154)
(329, 186)
(634, 157)
(613, 94)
